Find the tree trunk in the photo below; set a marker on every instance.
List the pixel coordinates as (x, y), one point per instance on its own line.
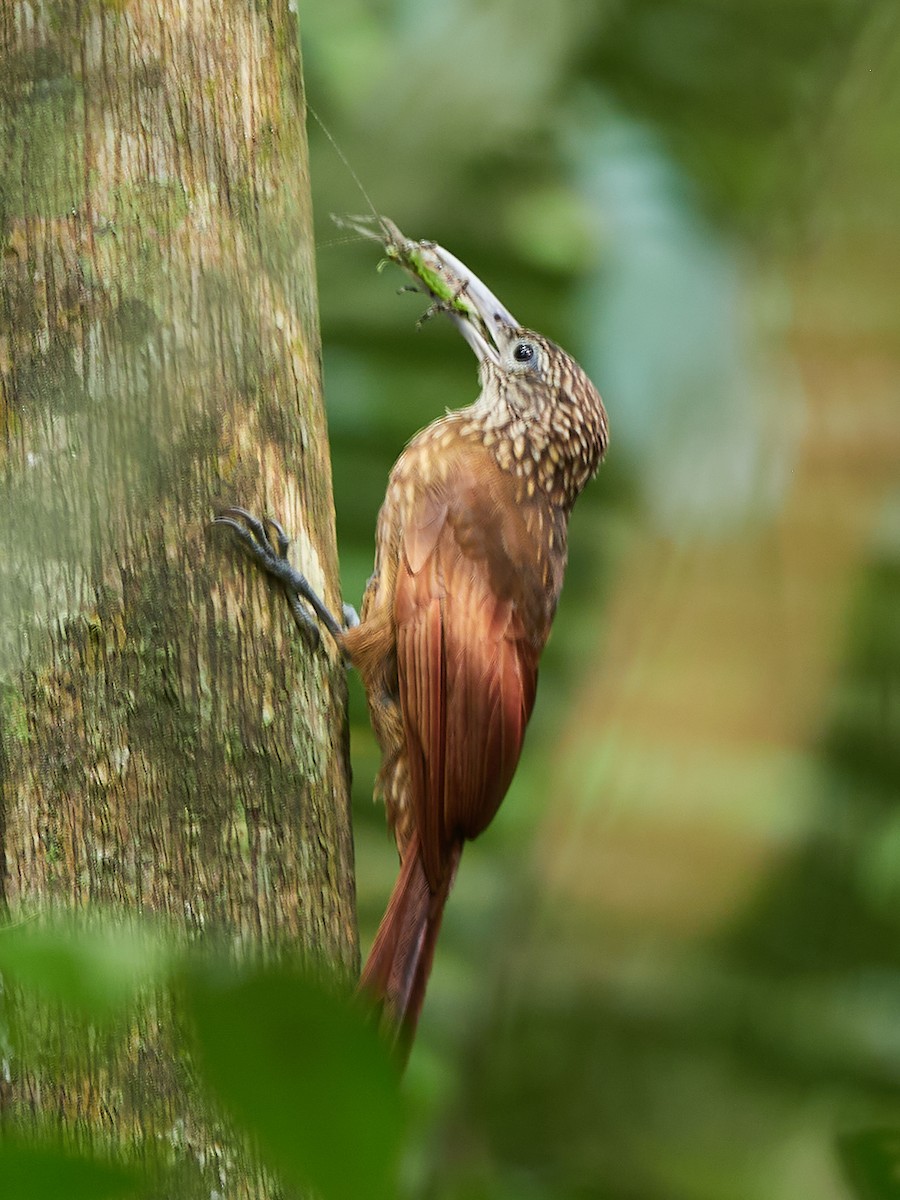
(167, 742)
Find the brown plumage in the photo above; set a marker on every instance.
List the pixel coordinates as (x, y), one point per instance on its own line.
(471, 550)
(470, 555)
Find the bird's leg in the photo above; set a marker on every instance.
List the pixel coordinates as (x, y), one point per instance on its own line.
(267, 544)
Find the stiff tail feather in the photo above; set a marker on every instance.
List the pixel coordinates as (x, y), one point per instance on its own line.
(399, 963)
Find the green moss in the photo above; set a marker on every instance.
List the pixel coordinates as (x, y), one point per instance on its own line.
(52, 848)
(157, 205)
(134, 321)
(50, 381)
(267, 146)
(41, 123)
(13, 713)
(235, 750)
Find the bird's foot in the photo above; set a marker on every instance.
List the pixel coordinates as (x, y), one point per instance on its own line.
(267, 544)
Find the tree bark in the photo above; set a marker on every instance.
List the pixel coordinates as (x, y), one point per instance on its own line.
(167, 741)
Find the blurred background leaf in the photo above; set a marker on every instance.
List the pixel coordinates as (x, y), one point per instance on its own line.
(95, 968)
(305, 1074)
(871, 1160)
(44, 1172)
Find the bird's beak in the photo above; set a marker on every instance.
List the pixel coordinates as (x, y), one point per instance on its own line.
(481, 318)
(484, 322)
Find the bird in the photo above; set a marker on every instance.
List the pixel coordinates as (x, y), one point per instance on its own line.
(471, 549)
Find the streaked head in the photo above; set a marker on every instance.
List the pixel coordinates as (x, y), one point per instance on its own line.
(528, 378)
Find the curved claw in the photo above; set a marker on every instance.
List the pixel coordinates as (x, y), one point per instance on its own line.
(282, 540)
(267, 544)
(251, 529)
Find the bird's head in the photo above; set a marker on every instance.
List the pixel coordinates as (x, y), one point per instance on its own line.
(534, 396)
(526, 377)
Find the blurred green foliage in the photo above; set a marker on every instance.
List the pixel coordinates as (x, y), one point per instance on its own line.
(871, 1161)
(306, 1074)
(298, 1068)
(35, 1172)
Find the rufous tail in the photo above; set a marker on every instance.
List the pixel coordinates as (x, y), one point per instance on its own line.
(399, 963)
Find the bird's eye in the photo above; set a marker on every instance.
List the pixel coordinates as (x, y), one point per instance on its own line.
(524, 352)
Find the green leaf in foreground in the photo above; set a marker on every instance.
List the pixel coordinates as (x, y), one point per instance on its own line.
(94, 967)
(871, 1162)
(34, 1172)
(303, 1072)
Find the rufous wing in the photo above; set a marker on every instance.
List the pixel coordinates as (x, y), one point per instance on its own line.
(467, 673)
